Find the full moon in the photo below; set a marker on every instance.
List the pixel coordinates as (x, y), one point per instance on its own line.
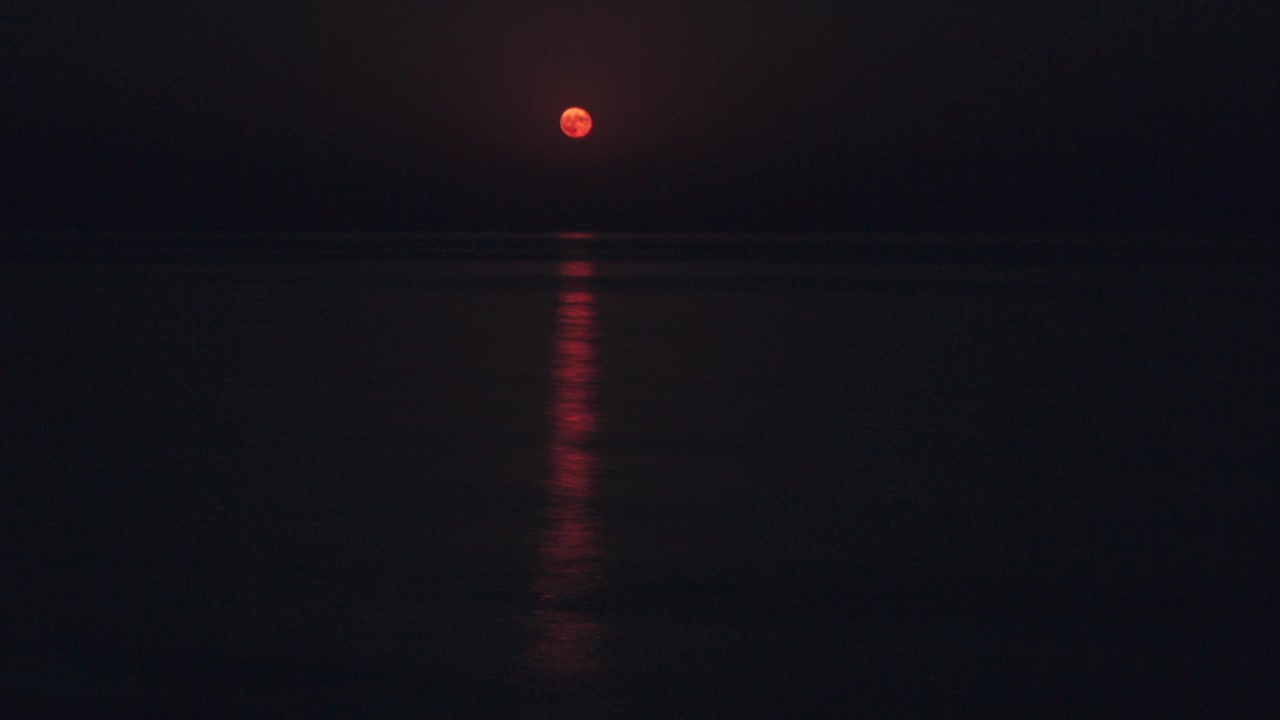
(575, 122)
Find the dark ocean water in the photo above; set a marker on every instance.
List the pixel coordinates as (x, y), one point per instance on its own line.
(638, 476)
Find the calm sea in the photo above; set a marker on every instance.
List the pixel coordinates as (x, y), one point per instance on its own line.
(638, 476)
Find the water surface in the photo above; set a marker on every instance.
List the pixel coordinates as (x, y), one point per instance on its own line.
(637, 476)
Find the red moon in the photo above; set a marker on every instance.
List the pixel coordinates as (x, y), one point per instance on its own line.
(575, 122)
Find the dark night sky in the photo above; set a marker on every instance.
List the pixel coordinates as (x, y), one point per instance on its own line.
(885, 114)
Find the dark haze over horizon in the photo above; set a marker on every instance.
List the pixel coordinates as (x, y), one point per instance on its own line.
(919, 115)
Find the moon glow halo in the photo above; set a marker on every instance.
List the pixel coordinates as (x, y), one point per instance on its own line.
(575, 122)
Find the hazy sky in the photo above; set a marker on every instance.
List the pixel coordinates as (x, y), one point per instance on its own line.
(902, 114)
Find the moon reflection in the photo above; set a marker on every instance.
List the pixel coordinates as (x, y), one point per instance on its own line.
(566, 629)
